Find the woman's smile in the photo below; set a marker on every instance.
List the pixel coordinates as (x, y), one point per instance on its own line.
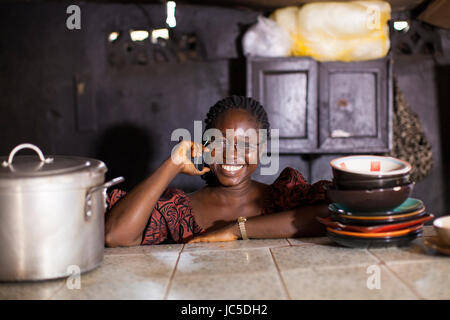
(230, 170)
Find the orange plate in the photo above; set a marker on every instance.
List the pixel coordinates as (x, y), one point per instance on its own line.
(391, 217)
(376, 235)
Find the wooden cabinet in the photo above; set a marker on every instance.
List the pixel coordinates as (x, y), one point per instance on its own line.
(354, 108)
(330, 107)
(287, 88)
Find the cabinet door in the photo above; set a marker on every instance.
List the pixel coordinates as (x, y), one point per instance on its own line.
(355, 108)
(287, 88)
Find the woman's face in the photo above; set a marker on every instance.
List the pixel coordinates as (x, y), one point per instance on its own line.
(239, 166)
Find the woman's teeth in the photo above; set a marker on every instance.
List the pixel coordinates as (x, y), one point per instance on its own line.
(231, 168)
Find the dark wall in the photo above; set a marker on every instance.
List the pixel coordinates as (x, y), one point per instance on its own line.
(135, 107)
(129, 109)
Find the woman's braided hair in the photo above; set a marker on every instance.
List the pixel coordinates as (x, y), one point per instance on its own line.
(235, 102)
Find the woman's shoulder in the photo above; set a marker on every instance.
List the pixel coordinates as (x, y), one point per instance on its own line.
(289, 177)
(291, 190)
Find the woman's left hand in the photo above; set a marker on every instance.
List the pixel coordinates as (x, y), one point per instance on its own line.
(228, 233)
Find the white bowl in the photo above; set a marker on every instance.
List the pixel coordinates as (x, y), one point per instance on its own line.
(372, 166)
(442, 227)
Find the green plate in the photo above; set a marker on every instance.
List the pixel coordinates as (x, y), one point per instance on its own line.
(409, 205)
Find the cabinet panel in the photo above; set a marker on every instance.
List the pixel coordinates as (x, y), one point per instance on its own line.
(355, 106)
(352, 104)
(287, 88)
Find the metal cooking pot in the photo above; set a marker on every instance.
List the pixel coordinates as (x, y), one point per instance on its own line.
(51, 215)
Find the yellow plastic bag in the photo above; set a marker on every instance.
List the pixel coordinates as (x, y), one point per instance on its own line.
(336, 31)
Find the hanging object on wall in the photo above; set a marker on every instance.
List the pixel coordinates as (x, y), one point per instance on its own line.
(334, 31)
(410, 142)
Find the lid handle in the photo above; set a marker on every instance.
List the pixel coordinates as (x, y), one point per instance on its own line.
(26, 146)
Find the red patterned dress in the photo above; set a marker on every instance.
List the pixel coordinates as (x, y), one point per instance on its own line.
(172, 219)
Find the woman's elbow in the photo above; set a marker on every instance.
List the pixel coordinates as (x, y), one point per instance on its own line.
(110, 241)
(113, 241)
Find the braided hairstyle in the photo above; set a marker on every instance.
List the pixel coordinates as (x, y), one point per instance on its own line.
(234, 102)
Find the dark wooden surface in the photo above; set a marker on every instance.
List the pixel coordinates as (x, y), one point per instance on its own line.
(343, 108)
(287, 88)
(354, 107)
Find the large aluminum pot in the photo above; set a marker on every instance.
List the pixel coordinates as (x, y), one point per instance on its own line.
(51, 215)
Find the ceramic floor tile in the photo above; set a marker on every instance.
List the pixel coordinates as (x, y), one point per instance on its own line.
(240, 244)
(416, 251)
(30, 290)
(429, 279)
(315, 240)
(345, 283)
(227, 261)
(123, 250)
(320, 256)
(255, 285)
(163, 248)
(125, 277)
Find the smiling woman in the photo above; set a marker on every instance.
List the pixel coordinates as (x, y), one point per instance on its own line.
(152, 213)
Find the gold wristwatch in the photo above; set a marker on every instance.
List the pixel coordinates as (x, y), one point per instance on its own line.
(241, 222)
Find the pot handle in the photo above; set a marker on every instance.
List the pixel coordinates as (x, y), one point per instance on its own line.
(104, 186)
(26, 146)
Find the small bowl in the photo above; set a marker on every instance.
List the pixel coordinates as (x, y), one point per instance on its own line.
(378, 183)
(370, 200)
(361, 167)
(442, 227)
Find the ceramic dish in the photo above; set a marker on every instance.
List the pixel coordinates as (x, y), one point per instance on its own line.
(442, 227)
(436, 244)
(374, 229)
(374, 242)
(395, 233)
(368, 221)
(409, 205)
(369, 200)
(364, 167)
(388, 182)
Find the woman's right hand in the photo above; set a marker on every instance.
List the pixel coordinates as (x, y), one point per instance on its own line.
(182, 154)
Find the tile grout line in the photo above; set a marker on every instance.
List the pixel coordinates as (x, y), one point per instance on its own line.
(166, 294)
(383, 263)
(280, 276)
(56, 291)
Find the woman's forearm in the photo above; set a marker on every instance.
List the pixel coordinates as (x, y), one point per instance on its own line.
(299, 222)
(125, 223)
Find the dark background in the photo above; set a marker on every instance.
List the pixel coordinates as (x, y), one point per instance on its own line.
(135, 104)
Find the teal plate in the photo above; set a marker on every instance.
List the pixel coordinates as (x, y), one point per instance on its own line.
(408, 206)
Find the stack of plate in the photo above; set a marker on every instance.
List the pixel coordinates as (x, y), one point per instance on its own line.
(373, 229)
(371, 205)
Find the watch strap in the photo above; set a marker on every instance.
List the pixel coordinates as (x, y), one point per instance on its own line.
(241, 222)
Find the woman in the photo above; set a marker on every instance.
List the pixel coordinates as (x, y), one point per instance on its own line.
(152, 213)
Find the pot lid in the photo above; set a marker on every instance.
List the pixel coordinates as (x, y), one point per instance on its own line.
(40, 166)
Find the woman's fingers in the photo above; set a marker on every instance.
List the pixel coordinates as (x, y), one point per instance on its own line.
(185, 152)
(194, 171)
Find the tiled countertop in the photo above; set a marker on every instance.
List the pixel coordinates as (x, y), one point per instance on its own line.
(309, 268)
